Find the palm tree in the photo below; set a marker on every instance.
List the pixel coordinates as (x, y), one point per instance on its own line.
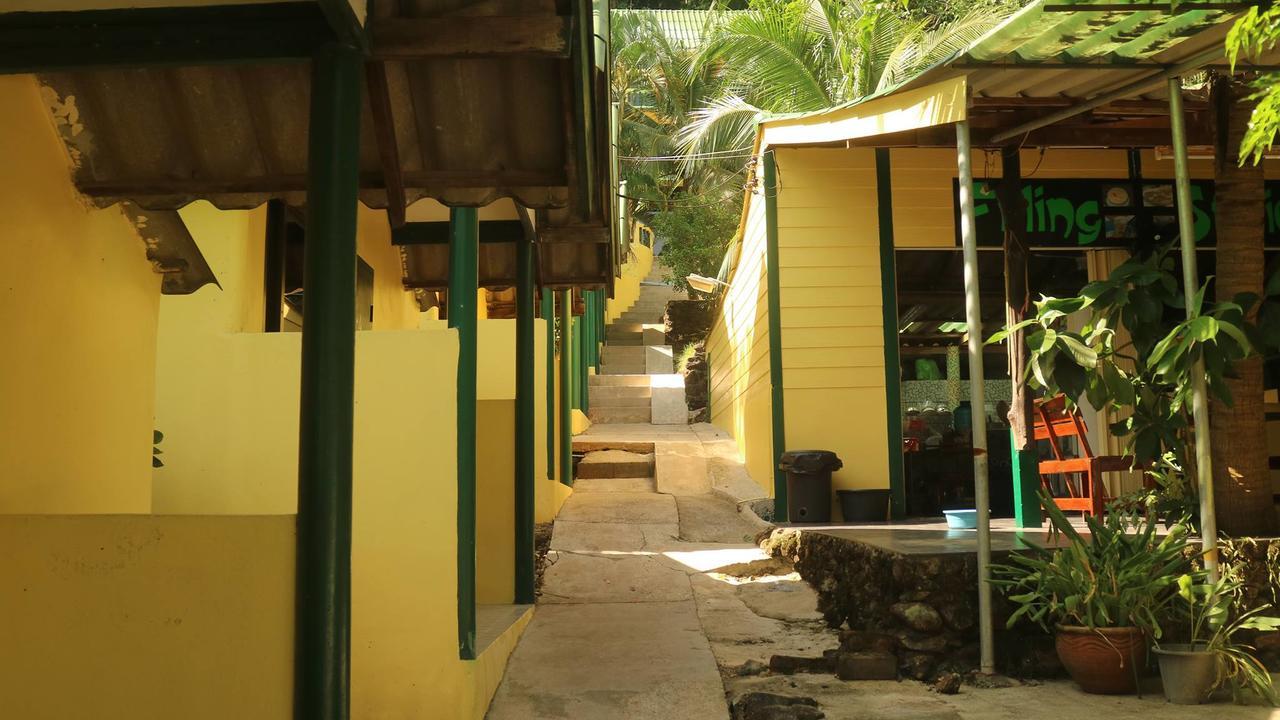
(788, 56)
(1241, 474)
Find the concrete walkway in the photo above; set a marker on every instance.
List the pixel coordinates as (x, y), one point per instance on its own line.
(617, 633)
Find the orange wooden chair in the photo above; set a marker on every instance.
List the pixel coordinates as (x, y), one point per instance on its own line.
(1082, 473)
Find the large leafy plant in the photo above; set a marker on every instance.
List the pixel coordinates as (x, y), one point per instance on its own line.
(1120, 575)
(1135, 352)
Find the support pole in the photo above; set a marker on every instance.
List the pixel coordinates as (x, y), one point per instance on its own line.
(549, 315)
(322, 660)
(776, 388)
(889, 326)
(464, 271)
(977, 395)
(575, 348)
(566, 387)
(1190, 285)
(525, 361)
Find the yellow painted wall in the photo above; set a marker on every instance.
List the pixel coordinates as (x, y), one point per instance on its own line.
(738, 353)
(626, 289)
(136, 617)
(78, 303)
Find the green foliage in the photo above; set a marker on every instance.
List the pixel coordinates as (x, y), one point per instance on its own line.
(1211, 613)
(1149, 376)
(696, 237)
(1120, 575)
(1255, 33)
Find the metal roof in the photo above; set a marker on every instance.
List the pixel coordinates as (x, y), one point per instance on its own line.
(469, 128)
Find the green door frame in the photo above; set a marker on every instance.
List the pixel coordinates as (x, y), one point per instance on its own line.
(889, 319)
(464, 277)
(322, 658)
(776, 391)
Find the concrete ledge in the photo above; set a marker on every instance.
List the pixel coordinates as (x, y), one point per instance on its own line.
(659, 360)
(666, 400)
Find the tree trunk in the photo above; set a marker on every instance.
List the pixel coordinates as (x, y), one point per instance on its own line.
(1241, 472)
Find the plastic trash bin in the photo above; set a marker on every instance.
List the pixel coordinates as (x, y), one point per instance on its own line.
(809, 484)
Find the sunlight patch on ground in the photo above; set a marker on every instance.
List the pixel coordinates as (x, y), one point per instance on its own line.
(707, 560)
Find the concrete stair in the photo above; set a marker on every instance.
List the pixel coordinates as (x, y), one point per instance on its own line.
(616, 469)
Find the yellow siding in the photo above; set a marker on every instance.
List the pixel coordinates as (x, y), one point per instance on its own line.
(833, 346)
(78, 304)
(738, 353)
(626, 289)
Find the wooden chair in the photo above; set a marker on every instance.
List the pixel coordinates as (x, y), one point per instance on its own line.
(1082, 474)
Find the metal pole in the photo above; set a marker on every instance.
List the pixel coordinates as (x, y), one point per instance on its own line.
(549, 316)
(566, 387)
(464, 271)
(777, 389)
(1190, 284)
(977, 396)
(322, 661)
(525, 361)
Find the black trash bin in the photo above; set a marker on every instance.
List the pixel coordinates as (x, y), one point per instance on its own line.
(809, 484)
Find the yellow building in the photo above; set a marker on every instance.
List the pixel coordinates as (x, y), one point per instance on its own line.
(363, 512)
(844, 316)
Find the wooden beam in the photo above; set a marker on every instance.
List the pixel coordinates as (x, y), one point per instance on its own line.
(1119, 107)
(592, 234)
(384, 129)
(403, 38)
(437, 233)
(434, 180)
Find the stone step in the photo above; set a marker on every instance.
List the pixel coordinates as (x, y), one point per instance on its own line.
(636, 379)
(605, 394)
(645, 484)
(611, 354)
(584, 444)
(614, 416)
(625, 339)
(622, 369)
(615, 464)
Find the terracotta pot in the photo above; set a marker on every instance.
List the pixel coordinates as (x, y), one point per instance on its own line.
(1103, 661)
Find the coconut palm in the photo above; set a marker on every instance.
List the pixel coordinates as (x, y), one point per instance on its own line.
(787, 56)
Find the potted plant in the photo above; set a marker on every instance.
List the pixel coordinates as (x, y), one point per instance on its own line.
(1210, 658)
(1101, 595)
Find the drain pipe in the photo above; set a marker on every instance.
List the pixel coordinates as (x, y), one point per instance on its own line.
(1190, 284)
(977, 396)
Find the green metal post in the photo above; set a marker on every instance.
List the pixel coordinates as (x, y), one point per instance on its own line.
(1026, 484)
(576, 348)
(775, 335)
(322, 660)
(464, 271)
(549, 315)
(566, 385)
(889, 318)
(525, 360)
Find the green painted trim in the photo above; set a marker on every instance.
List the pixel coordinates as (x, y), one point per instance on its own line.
(549, 315)
(1026, 484)
(343, 21)
(889, 319)
(566, 388)
(146, 37)
(322, 657)
(776, 391)
(464, 280)
(525, 492)
(584, 135)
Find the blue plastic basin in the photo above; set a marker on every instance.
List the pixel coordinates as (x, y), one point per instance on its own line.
(961, 519)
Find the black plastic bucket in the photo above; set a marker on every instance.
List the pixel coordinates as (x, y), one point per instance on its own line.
(809, 484)
(864, 505)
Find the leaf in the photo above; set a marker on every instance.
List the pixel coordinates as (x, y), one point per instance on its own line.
(1083, 355)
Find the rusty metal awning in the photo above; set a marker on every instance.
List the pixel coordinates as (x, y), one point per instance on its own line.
(467, 102)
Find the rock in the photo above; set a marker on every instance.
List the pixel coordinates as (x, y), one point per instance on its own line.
(866, 665)
(771, 706)
(947, 684)
(959, 615)
(792, 664)
(936, 644)
(857, 640)
(1267, 641)
(918, 665)
(917, 616)
(750, 667)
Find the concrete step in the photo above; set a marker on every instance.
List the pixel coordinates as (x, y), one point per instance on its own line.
(636, 379)
(622, 369)
(607, 415)
(645, 484)
(605, 394)
(618, 403)
(615, 464)
(625, 339)
(623, 354)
